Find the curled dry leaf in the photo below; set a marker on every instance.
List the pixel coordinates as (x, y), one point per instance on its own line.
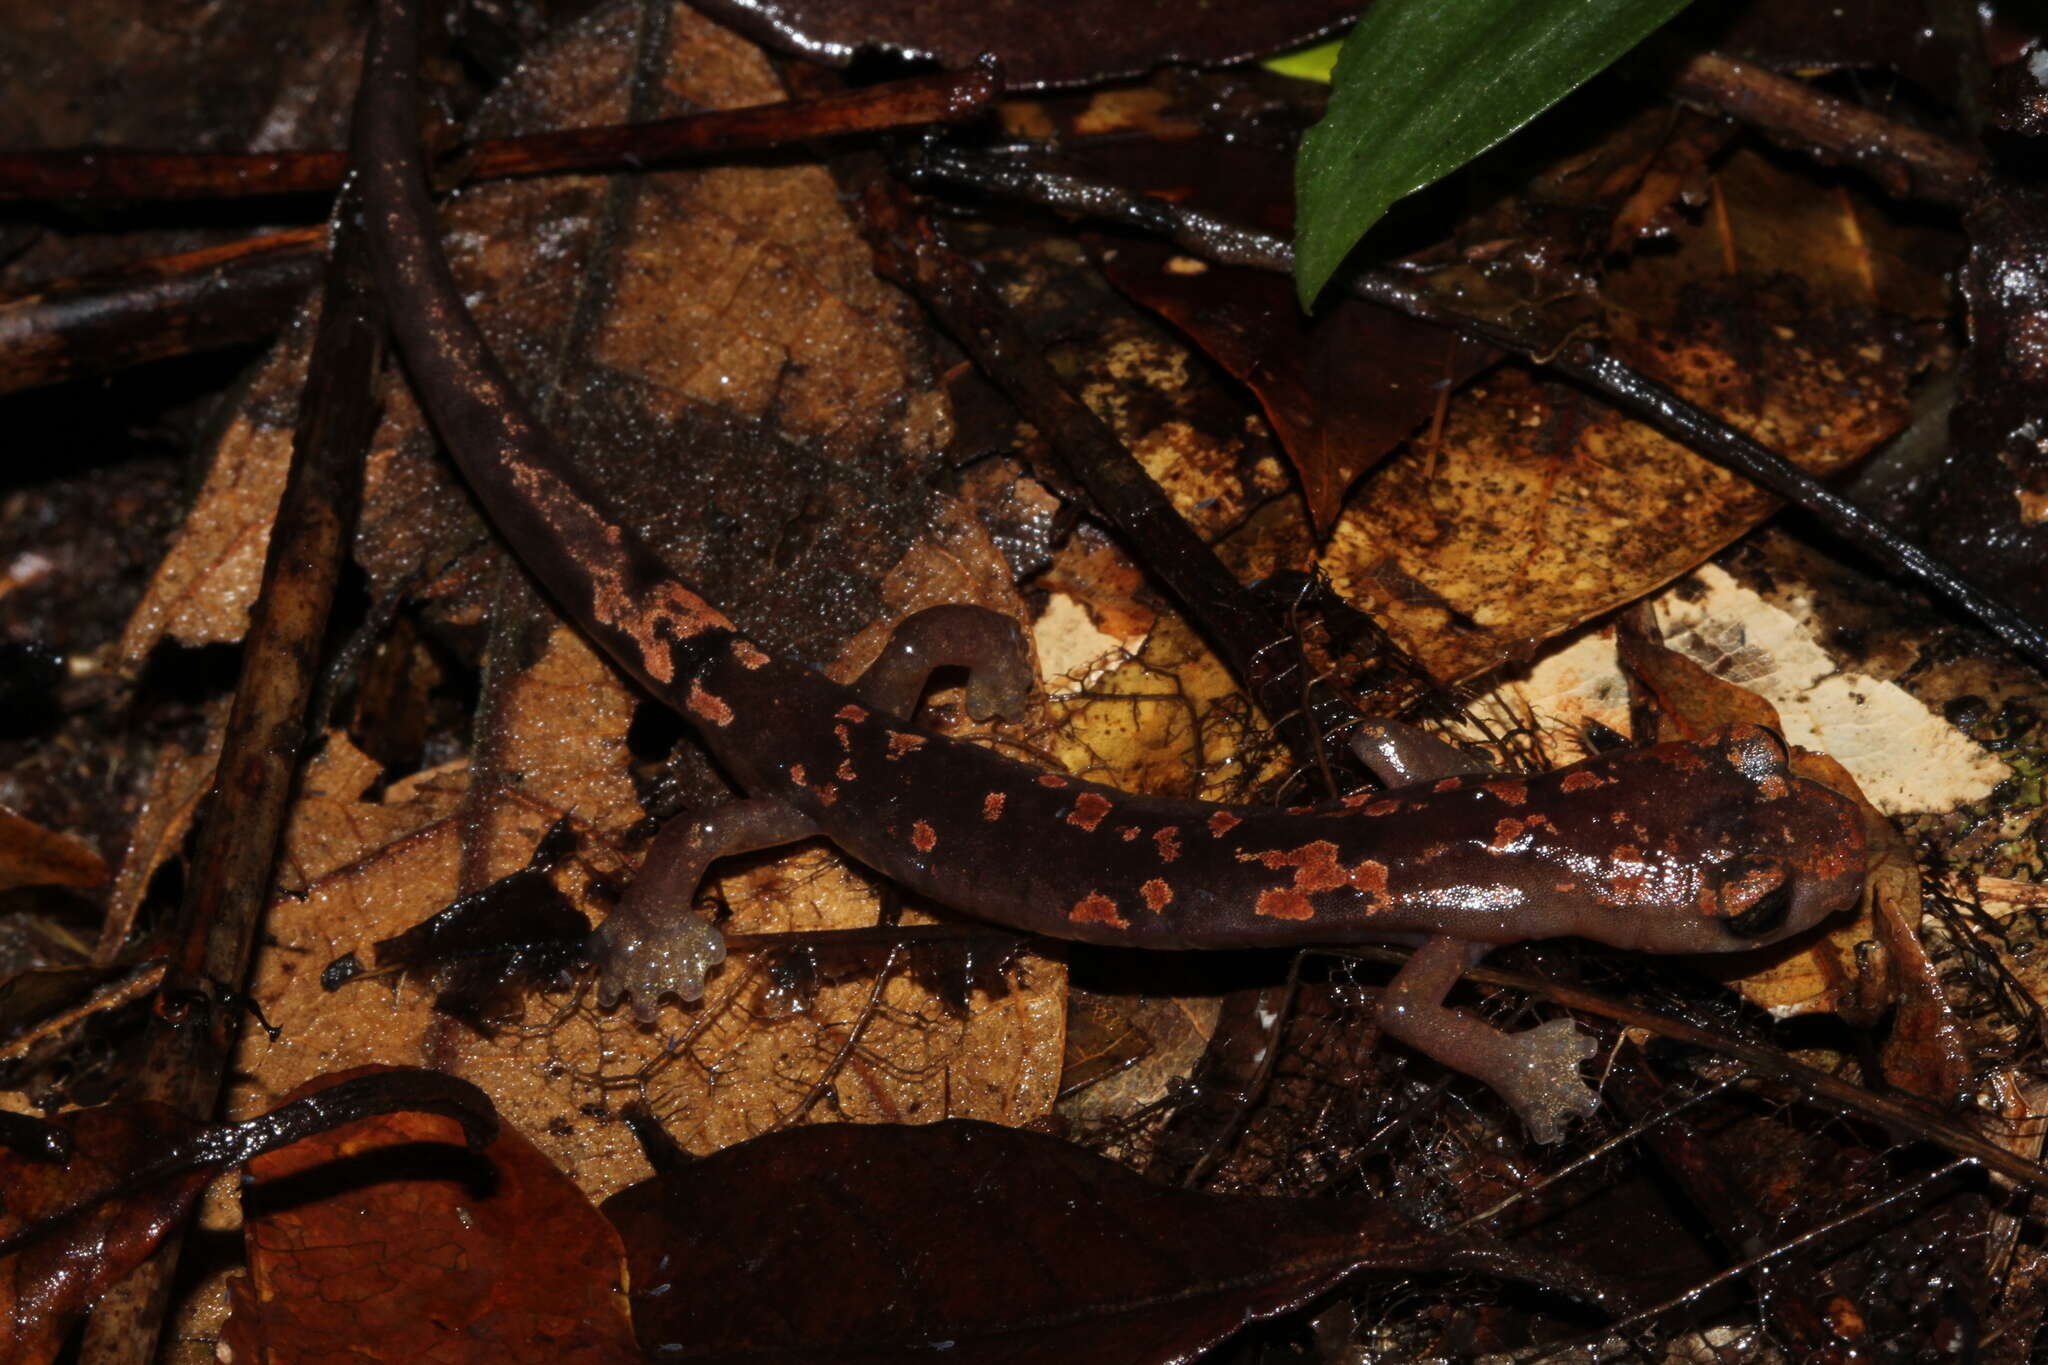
(363, 1242)
(177, 783)
(987, 1244)
(1859, 968)
(92, 1194)
(31, 855)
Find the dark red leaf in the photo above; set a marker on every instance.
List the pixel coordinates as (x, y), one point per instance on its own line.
(865, 1243)
(1341, 390)
(366, 1243)
(1040, 45)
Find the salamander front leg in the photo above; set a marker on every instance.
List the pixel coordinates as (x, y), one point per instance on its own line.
(655, 943)
(986, 643)
(1536, 1070)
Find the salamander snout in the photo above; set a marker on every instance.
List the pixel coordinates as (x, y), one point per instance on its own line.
(1802, 848)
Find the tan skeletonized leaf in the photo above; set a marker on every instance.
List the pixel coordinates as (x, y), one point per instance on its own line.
(743, 297)
(176, 786)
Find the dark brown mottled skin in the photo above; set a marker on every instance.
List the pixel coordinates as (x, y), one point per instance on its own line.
(1678, 848)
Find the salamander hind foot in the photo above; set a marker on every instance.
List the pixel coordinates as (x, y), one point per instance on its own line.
(1537, 1072)
(647, 961)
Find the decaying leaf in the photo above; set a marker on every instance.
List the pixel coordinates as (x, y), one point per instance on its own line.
(1541, 508)
(990, 1243)
(363, 1242)
(46, 1284)
(202, 589)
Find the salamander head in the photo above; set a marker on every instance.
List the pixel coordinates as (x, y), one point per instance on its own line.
(1773, 854)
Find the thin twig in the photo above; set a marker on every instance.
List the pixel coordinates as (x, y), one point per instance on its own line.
(196, 1020)
(137, 174)
(151, 310)
(1906, 161)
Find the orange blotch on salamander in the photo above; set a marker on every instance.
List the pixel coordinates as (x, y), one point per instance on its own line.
(1168, 842)
(992, 806)
(1582, 780)
(846, 772)
(1284, 902)
(1158, 895)
(708, 707)
(797, 774)
(1448, 784)
(1681, 756)
(1514, 793)
(1128, 833)
(923, 837)
(1317, 868)
(1315, 864)
(1383, 808)
(844, 734)
(851, 712)
(1089, 808)
(901, 743)
(1222, 822)
(1052, 780)
(1096, 908)
(749, 657)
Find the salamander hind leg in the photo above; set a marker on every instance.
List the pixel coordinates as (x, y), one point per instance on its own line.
(1398, 754)
(988, 644)
(656, 943)
(1536, 1071)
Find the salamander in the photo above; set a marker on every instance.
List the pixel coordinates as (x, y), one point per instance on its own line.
(1676, 848)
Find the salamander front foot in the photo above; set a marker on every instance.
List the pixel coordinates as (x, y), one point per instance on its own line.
(647, 961)
(1537, 1072)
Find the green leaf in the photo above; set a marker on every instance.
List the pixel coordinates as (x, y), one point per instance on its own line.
(1423, 86)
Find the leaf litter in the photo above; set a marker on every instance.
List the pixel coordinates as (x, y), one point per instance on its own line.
(374, 851)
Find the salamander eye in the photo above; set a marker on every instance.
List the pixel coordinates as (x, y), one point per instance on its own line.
(1765, 915)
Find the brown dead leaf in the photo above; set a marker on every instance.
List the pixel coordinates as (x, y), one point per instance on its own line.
(31, 855)
(179, 782)
(500, 1259)
(748, 391)
(202, 590)
(1546, 508)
